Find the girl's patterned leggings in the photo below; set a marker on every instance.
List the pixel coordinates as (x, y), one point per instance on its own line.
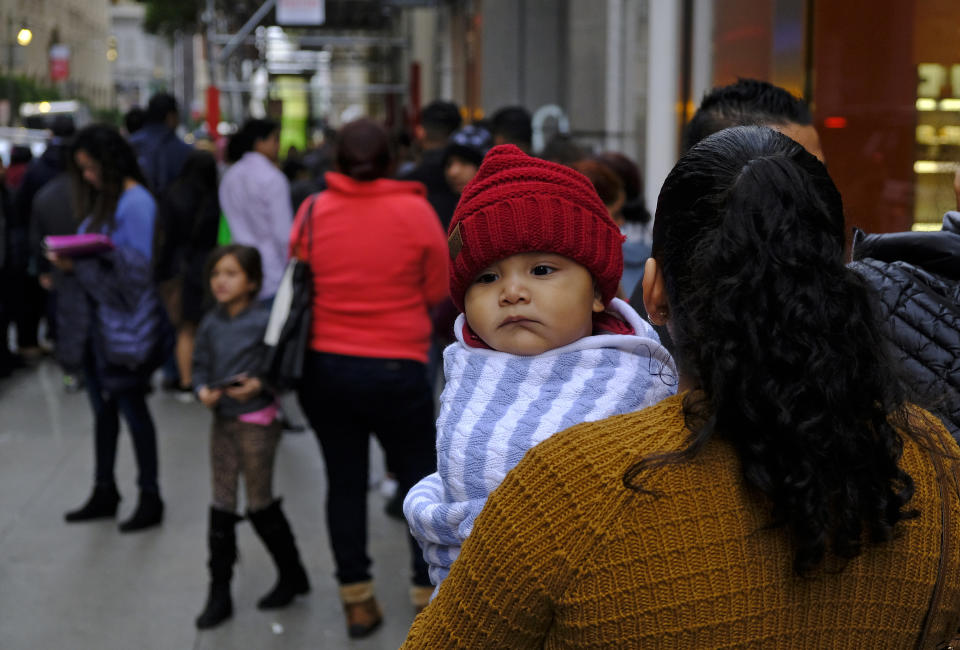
(242, 448)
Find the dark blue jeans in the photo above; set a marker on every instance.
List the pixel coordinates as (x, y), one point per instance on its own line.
(346, 399)
(107, 408)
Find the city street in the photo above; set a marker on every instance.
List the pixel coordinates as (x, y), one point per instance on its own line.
(81, 586)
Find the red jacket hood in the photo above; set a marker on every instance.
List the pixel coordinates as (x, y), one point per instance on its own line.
(345, 185)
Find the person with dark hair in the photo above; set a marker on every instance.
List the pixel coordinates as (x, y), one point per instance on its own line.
(753, 102)
(227, 362)
(461, 160)
(787, 479)
(29, 296)
(634, 219)
(564, 150)
(608, 185)
(110, 318)
(438, 120)
(8, 360)
(747, 102)
(379, 262)
(20, 157)
(915, 275)
(188, 216)
(255, 198)
(133, 120)
(160, 151)
(512, 125)
(463, 154)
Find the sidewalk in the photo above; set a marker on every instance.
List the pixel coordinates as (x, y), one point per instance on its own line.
(83, 586)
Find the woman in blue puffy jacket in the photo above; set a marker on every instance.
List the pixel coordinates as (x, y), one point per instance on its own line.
(115, 326)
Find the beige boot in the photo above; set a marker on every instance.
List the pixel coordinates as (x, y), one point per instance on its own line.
(360, 606)
(420, 597)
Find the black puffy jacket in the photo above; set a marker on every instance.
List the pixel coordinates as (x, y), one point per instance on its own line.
(917, 279)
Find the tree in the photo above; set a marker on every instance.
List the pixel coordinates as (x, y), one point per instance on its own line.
(166, 17)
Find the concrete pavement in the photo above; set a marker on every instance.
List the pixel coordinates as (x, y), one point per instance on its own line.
(81, 586)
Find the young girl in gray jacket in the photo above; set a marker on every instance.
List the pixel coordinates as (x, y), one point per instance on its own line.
(227, 358)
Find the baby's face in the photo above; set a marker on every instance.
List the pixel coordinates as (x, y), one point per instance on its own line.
(529, 303)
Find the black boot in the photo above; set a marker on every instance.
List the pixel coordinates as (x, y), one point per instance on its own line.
(272, 527)
(102, 504)
(149, 513)
(222, 542)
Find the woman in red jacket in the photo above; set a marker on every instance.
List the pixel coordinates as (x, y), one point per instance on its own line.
(378, 255)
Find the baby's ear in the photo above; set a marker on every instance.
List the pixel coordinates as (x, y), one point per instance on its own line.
(598, 305)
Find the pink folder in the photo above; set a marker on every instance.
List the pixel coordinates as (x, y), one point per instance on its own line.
(77, 245)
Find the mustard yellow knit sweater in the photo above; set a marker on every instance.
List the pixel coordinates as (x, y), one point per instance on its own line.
(563, 556)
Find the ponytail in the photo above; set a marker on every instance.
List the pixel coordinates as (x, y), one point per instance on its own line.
(782, 340)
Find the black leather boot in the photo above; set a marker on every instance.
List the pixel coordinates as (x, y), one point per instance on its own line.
(149, 513)
(102, 504)
(222, 543)
(272, 527)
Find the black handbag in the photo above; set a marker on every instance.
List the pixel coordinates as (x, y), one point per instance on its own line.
(287, 338)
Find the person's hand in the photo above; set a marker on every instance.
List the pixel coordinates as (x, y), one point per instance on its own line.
(65, 264)
(249, 387)
(46, 281)
(209, 397)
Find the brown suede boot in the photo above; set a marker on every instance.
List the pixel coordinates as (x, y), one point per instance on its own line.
(420, 597)
(361, 608)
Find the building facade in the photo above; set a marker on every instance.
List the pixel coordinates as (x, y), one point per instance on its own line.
(79, 27)
(881, 76)
(141, 63)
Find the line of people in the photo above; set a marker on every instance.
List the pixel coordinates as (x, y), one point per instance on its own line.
(779, 432)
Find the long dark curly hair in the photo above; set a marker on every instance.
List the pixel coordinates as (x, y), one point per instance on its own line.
(117, 161)
(782, 342)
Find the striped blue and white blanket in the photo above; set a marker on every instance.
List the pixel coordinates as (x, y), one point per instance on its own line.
(495, 406)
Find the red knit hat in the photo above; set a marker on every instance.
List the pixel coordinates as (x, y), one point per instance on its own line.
(519, 204)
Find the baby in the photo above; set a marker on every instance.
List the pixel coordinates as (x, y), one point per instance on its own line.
(542, 344)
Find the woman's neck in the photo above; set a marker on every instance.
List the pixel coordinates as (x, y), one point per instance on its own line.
(129, 182)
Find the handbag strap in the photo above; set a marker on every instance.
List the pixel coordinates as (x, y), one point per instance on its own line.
(308, 224)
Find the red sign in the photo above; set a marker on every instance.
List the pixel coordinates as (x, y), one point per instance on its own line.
(59, 62)
(213, 112)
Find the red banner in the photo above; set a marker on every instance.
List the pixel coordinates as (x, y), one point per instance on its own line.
(59, 62)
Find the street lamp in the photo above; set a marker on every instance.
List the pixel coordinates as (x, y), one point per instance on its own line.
(24, 36)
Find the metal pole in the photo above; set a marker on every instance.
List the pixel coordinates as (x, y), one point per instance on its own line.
(663, 70)
(209, 16)
(242, 33)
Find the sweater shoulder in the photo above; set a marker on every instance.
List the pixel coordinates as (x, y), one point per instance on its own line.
(607, 447)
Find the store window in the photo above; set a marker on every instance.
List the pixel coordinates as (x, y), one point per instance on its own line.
(937, 147)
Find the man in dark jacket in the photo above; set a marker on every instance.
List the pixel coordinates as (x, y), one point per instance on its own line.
(30, 298)
(915, 275)
(160, 151)
(748, 102)
(438, 120)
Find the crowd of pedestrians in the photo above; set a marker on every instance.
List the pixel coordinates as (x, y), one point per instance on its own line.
(718, 426)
